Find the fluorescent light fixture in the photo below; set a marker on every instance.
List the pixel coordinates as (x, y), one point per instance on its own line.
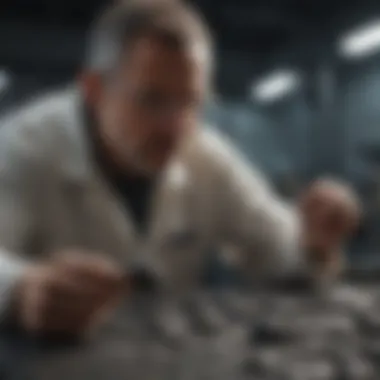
(362, 41)
(276, 86)
(4, 80)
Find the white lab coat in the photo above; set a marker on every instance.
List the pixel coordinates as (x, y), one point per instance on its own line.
(53, 198)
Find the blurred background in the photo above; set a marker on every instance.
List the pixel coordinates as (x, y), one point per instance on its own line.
(297, 86)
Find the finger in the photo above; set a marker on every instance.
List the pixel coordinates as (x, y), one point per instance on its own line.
(344, 196)
(34, 297)
(74, 290)
(89, 269)
(341, 220)
(69, 296)
(332, 216)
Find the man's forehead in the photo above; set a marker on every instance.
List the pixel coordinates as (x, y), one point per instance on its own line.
(152, 52)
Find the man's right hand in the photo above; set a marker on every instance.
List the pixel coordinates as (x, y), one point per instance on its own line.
(69, 294)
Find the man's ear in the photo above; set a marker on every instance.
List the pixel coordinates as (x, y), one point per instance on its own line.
(91, 87)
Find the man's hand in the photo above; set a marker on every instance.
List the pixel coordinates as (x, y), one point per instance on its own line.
(69, 294)
(330, 212)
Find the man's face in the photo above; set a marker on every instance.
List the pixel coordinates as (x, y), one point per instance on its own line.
(150, 104)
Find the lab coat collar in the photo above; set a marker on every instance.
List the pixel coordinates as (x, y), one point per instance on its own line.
(80, 165)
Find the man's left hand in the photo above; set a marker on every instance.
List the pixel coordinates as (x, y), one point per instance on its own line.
(330, 213)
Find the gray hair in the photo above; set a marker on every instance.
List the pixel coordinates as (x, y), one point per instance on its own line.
(173, 23)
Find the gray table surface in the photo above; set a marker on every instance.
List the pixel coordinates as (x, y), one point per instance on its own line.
(263, 335)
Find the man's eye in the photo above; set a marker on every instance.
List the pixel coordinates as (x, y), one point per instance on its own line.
(156, 101)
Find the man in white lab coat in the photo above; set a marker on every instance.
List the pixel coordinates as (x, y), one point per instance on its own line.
(119, 172)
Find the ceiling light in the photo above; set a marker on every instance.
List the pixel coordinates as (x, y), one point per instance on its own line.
(361, 42)
(276, 86)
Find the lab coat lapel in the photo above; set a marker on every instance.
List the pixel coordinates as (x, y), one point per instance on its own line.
(107, 221)
(103, 221)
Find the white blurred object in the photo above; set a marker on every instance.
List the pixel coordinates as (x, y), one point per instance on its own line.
(353, 297)
(276, 86)
(361, 42)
